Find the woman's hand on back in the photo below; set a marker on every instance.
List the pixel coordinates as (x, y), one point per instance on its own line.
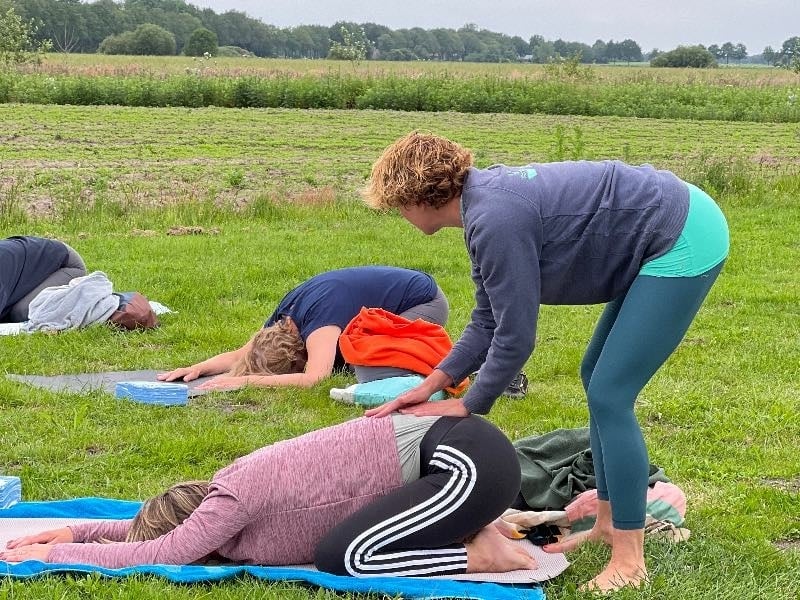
(411, 403)
(412, 397)
(415, 400)
(452, 407)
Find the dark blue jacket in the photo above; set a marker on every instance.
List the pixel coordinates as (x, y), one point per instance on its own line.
(557, 233)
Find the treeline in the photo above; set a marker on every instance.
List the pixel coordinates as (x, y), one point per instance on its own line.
(75, 26)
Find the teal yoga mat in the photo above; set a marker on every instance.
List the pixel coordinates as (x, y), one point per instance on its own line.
(101, 508)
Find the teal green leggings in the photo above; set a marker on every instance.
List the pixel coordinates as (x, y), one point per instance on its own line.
(636, 334)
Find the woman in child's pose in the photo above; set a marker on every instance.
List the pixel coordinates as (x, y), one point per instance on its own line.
(299, 344)
(401, 496)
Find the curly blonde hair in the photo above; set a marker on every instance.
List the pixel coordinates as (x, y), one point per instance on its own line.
(163, 513)
(274, 350)
(418, 169)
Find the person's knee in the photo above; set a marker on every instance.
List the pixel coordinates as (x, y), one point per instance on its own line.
(74, 263)
(329, 556)
(586, 369)
(604, 398)
(366, 374)
(444, 307)
(436, 311)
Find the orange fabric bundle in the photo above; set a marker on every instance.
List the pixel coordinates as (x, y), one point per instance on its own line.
(378, 338)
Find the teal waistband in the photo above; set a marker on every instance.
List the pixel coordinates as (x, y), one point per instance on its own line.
(702, 245)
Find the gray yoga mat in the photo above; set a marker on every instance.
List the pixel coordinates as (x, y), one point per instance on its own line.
(107, 381)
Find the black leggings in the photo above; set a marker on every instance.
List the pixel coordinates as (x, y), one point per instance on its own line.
(469, 475)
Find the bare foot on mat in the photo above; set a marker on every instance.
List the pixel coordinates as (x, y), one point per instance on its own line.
(490, 552)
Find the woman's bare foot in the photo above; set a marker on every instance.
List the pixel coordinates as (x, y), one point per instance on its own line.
(490, 552)
(626, 567)
(613, 578)
(601, 532)
(571, 542)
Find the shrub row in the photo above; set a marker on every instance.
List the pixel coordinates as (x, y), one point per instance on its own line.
(479, 94)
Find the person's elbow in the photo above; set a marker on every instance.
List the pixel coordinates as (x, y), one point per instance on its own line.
(515, 349)
(310, 379)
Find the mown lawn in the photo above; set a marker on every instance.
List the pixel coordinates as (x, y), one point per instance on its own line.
(275, 194)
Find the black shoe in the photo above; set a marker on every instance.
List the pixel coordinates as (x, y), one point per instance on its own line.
(518, 386)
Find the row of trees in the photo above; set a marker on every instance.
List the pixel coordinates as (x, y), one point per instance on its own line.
(788, 56)
(105, 25)
(117, 27)
(728, 51)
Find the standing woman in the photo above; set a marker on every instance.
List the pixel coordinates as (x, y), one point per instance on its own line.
(641, 240)
(299, 343)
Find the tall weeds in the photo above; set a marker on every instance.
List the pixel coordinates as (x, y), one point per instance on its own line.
(563, 91)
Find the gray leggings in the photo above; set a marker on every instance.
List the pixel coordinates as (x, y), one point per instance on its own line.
(72, 267)
(436, 311)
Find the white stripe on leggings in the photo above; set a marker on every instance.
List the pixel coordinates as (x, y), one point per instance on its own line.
(452, 495)
(449, 493)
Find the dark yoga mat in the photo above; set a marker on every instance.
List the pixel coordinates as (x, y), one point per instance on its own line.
(86, 382)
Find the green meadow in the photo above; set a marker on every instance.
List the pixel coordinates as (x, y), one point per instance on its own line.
(271, 198)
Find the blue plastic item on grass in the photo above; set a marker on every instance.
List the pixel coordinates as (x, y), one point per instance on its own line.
(10, 490)
(153, 392)
(379, 391)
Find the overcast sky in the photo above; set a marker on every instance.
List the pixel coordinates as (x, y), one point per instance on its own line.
(664, 24)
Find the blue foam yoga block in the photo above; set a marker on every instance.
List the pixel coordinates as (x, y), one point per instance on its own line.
(153, 392)
(374, 393)
(10, 490)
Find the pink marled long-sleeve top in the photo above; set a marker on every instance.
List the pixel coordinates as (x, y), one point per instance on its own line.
(270, 507)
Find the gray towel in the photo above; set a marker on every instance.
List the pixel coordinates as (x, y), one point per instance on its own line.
(80, 303)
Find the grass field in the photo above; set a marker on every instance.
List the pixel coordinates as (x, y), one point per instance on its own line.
(275, 194)
(57, 159)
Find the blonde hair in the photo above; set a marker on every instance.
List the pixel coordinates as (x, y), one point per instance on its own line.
(418, 169)
(274, 350)
(163, 513)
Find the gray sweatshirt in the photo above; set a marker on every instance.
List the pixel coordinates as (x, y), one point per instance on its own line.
(557, 233)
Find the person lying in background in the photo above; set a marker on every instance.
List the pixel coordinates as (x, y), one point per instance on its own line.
(28, 265)
(401, 496)
(299, 343)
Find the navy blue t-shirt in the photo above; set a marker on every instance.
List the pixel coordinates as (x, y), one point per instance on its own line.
(25, 262)
(335, 297)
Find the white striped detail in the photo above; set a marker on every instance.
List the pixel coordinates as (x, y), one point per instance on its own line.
(360, 558)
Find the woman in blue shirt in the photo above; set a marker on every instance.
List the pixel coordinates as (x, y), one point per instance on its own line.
(299, 343)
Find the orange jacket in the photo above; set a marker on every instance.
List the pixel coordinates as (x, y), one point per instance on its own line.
(378, 338)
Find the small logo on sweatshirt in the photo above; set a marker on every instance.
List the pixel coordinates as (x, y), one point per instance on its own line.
(525, 172)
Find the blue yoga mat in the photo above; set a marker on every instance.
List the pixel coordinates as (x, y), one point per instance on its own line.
(102, 508)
